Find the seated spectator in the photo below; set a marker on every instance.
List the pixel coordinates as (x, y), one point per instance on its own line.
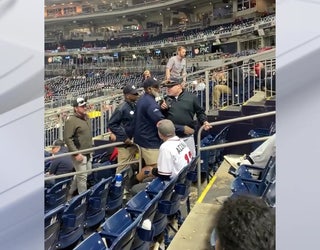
(261, 155)
(244, 223)
(61, 165)
(220, 87)
(146, 74)
(174, 154)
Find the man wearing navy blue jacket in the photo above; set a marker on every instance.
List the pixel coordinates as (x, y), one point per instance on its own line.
(148, 114)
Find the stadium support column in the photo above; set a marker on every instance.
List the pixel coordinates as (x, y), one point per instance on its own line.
(234, 6)
(238, 46)
(166, 19)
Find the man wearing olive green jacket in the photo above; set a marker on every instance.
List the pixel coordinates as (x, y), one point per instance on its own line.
(78, 136)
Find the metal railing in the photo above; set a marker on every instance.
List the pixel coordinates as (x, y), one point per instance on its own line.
(53, 177)
(139, 160)
(200, 149)
(104, 105)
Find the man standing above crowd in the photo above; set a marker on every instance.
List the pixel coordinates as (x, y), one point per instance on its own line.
(148, 113)
(177, 65)
(180, 107)
(121, 124)
(78, 136)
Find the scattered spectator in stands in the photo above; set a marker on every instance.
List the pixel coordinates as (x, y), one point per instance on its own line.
(177, 66)
(271, 83)
(235, 78)
(260, 70)
(146, 74)
(193, 68)
(220, 87)
(180, 107)
(260, 74)
(61, 165)
(78, 136)
(121, 124)
(174, 154)
(244, 223)
(147, 115)
(199, 85)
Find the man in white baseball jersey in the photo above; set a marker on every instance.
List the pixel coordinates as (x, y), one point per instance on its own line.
(174, 154)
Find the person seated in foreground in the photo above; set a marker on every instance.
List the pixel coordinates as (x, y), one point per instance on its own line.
(174, 154)
(244, 223)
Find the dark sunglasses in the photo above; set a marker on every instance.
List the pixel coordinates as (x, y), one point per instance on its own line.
(81, 102)
(171, 86)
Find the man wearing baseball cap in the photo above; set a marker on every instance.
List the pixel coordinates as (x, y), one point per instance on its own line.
(121, 123)
(148, 113)
(180, 106)
(78, 136)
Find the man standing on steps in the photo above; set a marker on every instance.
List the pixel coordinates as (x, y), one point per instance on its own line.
(78, 136)
(177, 66)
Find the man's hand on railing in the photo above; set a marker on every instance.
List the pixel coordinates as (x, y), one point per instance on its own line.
(206, 125)
(113, 137)
(128, 142)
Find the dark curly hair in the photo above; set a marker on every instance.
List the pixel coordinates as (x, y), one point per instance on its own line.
(245, 223)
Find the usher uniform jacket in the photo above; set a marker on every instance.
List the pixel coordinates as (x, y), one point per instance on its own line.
(182, 111)
(121, 121)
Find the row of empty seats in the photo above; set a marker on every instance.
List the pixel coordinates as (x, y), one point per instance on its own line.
(125, 226)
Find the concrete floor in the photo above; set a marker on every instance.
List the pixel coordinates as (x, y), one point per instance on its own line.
(194, 234)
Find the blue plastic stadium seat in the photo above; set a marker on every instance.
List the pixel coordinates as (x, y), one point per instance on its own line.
(160, 218)
(73, 220)
(115, 195)
(52, 221)
(57, 194)
(144, 204)
(119, 229)
(211, 159)
(256, 187)
(97, 203)
(93, 242)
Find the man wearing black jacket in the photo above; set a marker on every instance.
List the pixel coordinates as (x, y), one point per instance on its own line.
(180, 106)
(121, 124)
